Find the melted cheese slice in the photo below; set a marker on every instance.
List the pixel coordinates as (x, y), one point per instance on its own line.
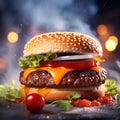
(28, 90)
(57, 73)
(97, 69)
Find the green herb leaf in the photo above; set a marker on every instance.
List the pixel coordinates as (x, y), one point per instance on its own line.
(64, 104)
(9, 92)
(34, 60)
(111, 88)
(73, 96)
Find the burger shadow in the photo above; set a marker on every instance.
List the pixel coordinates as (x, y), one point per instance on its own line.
(49, 112)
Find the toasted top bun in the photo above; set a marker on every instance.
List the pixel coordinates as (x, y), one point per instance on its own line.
(62, 42)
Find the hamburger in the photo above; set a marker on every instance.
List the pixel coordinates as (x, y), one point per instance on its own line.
(58, 64)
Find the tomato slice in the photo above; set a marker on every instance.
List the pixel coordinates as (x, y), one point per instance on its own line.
(82, 64)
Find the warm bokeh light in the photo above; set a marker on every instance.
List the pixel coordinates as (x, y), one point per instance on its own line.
(114, 38)
(111, 43)
(12, 37)
(102, 29)
(2, 63)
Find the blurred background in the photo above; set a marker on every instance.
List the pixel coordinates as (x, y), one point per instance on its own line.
(22, 19)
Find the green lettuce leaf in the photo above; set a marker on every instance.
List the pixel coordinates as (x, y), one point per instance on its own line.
(111, 88)
(34, 60)
(9, 92)
(66, 104)
(73, 96)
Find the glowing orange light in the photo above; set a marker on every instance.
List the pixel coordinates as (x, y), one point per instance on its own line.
(12, 37)
(2, 63)
(111, 43)
(102, 29)
(114, 38)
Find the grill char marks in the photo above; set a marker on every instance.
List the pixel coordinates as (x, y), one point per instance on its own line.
(74, 79)
(84, 78)
(37, 79)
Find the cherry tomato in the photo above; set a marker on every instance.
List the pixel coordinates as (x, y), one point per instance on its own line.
(75, 102)
(100, 99)
(83, 64)
(95, 103)
(108, 100)
(34, 102)
(82, 103)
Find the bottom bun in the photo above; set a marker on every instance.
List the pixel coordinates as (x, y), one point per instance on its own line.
(51, 95)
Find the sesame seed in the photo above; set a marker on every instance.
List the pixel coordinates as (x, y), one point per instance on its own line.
(71, 43)
(83, 44)
(85, 47)
(68, 46)
(72, 48)
(75, 45)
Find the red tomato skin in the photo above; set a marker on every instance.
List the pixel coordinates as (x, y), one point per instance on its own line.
(80, 65)
(75, 102)
(100, 99)
(85, 103)
(34, 102)
(95, 103)
(108, 100)
(82, 103)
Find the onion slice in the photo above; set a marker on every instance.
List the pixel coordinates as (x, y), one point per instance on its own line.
(75, 57)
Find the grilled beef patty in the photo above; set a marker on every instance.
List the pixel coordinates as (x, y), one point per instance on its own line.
(76, 79)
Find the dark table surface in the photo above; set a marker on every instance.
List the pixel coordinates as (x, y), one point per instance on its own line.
(13, 111)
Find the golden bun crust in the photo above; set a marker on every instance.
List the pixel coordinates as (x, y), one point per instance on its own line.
(60, 94)
(62, 42)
